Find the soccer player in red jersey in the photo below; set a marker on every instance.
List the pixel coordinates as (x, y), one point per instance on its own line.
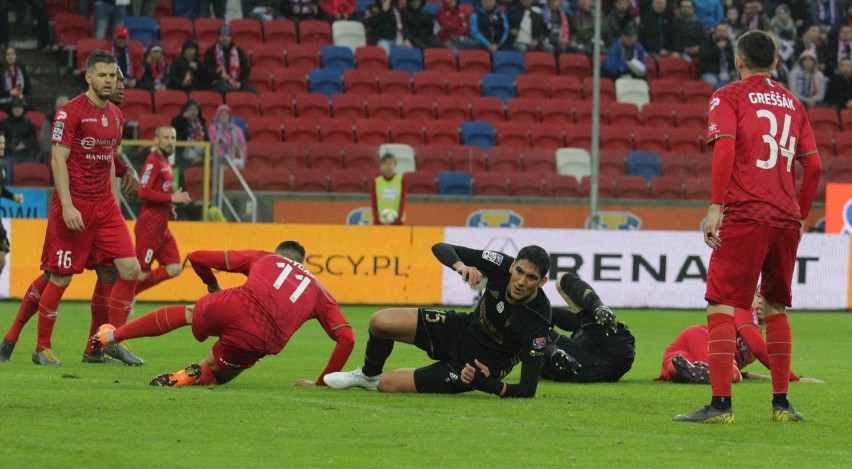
(757, 128)
(153, 238)
(251, 321)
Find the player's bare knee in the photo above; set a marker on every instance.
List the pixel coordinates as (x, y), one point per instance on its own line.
(188, 312)
(382, 323)
(60, 280)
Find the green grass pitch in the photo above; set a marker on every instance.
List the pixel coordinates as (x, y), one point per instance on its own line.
(81, 415)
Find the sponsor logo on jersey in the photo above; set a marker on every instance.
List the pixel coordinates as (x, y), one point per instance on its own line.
(146, 174)
(500, 307)
(495, 219)
(95, 156)
(539, 343)
(713, 103)
(57, 131)
(493, 257)
(88, 143)
(712, 129)
(104, 121)
(61, 115)
(167, 186)
(452, 377)
(89, 119)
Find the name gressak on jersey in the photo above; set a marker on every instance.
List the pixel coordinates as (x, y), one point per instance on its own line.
(772, 99)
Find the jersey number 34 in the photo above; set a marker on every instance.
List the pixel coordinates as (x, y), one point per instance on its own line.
(777, 143)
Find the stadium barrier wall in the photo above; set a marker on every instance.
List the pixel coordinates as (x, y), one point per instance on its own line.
(838, 208)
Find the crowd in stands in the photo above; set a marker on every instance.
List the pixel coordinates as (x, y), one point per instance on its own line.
(814, 38)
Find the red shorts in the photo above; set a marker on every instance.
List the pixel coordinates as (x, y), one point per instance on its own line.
(162, 248)
(225, 315)
(749, 251)
(104, 238)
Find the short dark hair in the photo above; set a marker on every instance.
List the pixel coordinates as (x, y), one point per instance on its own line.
(291, 250)
(536, 256)
(387, 156)
(99, 56)
(757, 49)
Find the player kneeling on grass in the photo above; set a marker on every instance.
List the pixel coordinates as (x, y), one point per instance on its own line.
(251, 321)
(476, 350)
(600, 348)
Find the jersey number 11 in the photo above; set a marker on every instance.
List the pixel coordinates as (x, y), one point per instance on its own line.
(303, 284)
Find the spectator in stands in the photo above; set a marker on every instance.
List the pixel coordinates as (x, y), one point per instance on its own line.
(839, 94)
(47, 129)
(656, 33)
(109, 16)
(4, 24)
(190, 127)
(262, 10)
(688, 32)
(202, 8)
(16, 80)
(21, 138)
(489, 26)
(388, 191)
(454, 29)
(716, 58)
(801, 12)
(626, 56)
(185, 73)
(334, 10)
(812, 40)
(582, 24)
(826, 14)
(384, 21)
(732, 19)
(143, 7)
(753, 17)
(418, 26)
(527, 30)
(785, 61)
(226, 137)
(708, 12)
(226, 65)
(155, 70)
(783, 25)
(616, 21)
(559, 38)
(126, 58)
(38, 8)
(837, 49)
(302, 9)
(806, 81)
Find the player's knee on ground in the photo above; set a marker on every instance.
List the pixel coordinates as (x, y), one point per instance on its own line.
(398, 381)
(174, 270)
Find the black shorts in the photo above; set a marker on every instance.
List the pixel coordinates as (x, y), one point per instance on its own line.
(604, 357)
(438, 334)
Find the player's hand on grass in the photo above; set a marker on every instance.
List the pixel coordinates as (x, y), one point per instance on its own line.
(470, 375)
(73, 219)
(471, 275)
(181, 197)
(130, 182)
(304, 382)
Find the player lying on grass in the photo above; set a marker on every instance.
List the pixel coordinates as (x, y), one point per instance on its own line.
(475, 350)
(685, 359)
(251, 321)
(599, 349)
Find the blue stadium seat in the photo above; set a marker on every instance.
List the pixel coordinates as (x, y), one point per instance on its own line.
(454, 183)
(406, 59)
(327, 81)
(142, 28)
(498, 85)
(643, 163)
(184, 8)
(480, 134)
(508, 63)
(337, 57)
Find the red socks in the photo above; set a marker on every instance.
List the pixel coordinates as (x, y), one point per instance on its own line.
(721, 349)
(155, 323)
(120, 301)
(779, 346)
(207, 376)
(153, 278)
(100, 310)
(29, 306)
(47, 307)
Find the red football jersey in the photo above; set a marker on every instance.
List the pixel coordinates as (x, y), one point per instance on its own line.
(285, 295)
(156, 186)
(92, 134)
(771, 129)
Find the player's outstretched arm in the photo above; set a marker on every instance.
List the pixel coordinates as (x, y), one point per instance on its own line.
(454, 257)
(344, 339)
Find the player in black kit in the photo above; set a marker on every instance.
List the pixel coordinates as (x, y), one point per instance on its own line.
(475, 350)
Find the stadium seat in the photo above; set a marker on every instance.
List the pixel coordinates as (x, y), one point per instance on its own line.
(547, 136)
(86, 47)
(208, 101)
(607, 89)
(306, 180)
(267, 55)
(327, 81)
(337, 57)
(533, 87)
(441, 132)
(70, 28)
(657, 115)
(651, 139)
(370, 58)
(383, 107)
(314, 105)
(631, 187)
(440, 60)
(563, 185)
(175, 28)
(348, 106)
(263, 129)
(405, 160)
(632, 90)
(487, 109)
(843, 143)
(615, 138)
(464, 85)
(361, 157)
(846, 119)
(169, 102)
(451, 108)
(361, 82)
(522, 110)
(479, 134)
(474, 61)
(512, 134)
(136, 102)
(421, 182)
(697, 91)
(672, 164)
(824, 142)
(509, 63)
(579, 136)
(434, 158)
(691, 116)
(279, 31)
(207, 31)
(454, 183)
(347, 181)
(623, 114)
(31, 175)
(371, 131)
(337, 130)
(502, 159)
(322, 157)
(406, 59)
(643, 163)
(667, 187)
(277, 179)
(418, 107)
(575, 65)
(566, 88)
(539, 161)
(697, 187)
(292, 81)
(529, 185)
(142, 28)
(304, 56)
(557, 111)
(394, 83)
(261, 78)
(470, 159)
(684, 140)
(407, 132)
(193, 181)
(349, 34)
(674, 68)
(315, 32)
(148, 123)
(540, 63)
(485, 183)
(573, 161)
(243, 103)
(266, 155)
(246, 32)
(823, 120)
(697, 164)
(606, 188)
(498, 86)
(429, 83)
(665, 90)
(301, 130)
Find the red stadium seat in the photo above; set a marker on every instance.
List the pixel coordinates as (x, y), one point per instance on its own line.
(697, 188)
(176, 28)
(512, 134)
(487, 109)
(503, 159)
(623, 114)
(440, 60)
(823, 120)
(490, 184)
(672, 164)
(540, 63)
(312, 105)
(567, 87)
(549, 136)
(383, 107)
(675, 68)
(667, 187)
(409, 132)
(606, 188)
(301, 130)
(575, 65)
(442, 132)
(434, 158)
(265, 155)
(277, 179)
(421, 182)
(243, 104)
(306, 180)
(684, 140)
(261, 78)
(657, 115)
(846, 119)
(268, 55)
(361, 81)
(371, 131)
(418, 107)
(583, 112)
(395, 82)
(631, 187)
(70, 28)
(532, 87)
(665, 90)
(337, 131)
(246, 31)
(347, 181)
(451, 108)
(362, 157)
(562, 185)
(315, 32)
(303, 56)
(529, 185)
(429, 83)
(697, 91)
(522, 110)
(148, 123)
(31, 175)
(348, 106)
(691, 116)
(323, 158)
(651, 139)
(607, 89)
(263, 129)
(207, 30)
(557, 111)
(539, 161)
(463, 85)
(169, 102)
(279, 31)
(208, 101)
(136, 102)
(474, 61)
(371, 58)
